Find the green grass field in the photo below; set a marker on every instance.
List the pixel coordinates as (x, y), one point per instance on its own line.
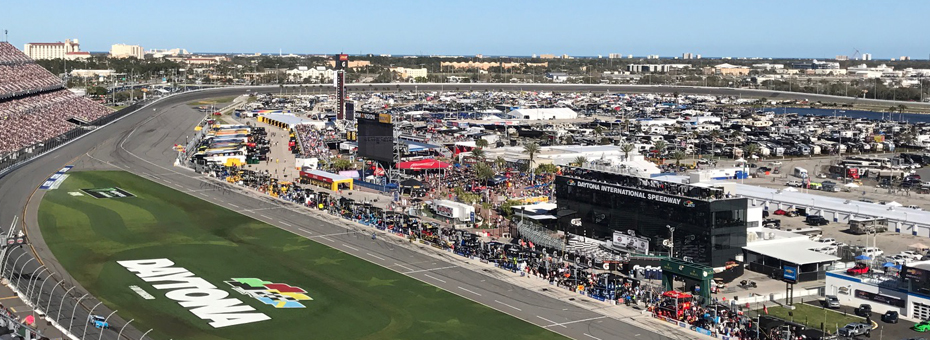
(352, 299)
(813, 316)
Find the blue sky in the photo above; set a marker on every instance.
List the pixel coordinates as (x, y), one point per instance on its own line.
(491, 27)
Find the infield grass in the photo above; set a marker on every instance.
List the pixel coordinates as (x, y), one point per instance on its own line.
(352, 298)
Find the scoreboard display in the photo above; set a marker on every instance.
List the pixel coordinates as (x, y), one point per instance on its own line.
(375, 136)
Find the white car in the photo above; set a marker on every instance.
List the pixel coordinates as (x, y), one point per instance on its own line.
(912, 255)
(828, 240)
(900, 259)
(872, 252)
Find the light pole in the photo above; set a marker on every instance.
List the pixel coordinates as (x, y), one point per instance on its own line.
(88, 318)
(118, 335)
(671, 244)
(105, 323)
(72, 310)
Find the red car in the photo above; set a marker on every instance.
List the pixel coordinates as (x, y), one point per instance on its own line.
(859, 269)
(780, 212)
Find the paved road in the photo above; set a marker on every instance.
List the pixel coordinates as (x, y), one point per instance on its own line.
(141, 143)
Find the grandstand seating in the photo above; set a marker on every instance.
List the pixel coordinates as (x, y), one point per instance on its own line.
(33, 105)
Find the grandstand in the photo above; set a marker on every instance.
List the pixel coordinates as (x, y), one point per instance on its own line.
(34, 105)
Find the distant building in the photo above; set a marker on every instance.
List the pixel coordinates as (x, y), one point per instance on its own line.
(410, 73)
(161, 53)
(70, 49)
(816, 65)
(615, 56)
(687, 56)
(547, 56)
(867, 56)
(650, 68)
(731, 70)
(566, 56)
(126, 51)
(842, 58)
(487, 64)
(652, 56)
(767, 66)
(904, 58)
(352, 63)
(319, 73)
(92, 73)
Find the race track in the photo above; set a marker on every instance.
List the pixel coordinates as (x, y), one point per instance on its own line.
(141, 143)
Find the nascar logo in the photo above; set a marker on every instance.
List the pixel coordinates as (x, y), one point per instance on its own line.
(279, 295)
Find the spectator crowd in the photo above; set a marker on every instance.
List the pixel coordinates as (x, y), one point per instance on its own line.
(33, 105)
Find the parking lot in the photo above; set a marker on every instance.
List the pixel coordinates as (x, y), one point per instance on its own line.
(880, 329)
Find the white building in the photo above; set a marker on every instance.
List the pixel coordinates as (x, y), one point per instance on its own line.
(92, 73)
(126, 51)
(159, 53)
(543, 114)
(637, 68)
(410, 73)
(867, 56)
(318, 73)
(70, 49)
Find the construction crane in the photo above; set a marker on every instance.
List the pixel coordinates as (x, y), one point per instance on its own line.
(855, 55)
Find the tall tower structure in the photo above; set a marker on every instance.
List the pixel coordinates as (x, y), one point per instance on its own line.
(342, 63)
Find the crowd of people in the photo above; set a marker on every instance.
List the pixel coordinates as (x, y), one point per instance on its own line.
(28, 120)
(9, 54)
(312, 141)
(19, 79)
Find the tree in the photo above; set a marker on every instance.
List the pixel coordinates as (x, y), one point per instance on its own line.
(483, 172)
(714, 134)
(750, 150)
(659, 146)
(627, 148)
(479, 154)
(569, 140)
(678, 156)
(546, 169)
(531, 150)
(501, 162)
(341, 164)
(580, 161)
(598, 130)
(481, 143)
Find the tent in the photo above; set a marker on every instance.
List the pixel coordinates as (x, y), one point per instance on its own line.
(894, 204)
(863, 257)
(411, 183)
(424, 164)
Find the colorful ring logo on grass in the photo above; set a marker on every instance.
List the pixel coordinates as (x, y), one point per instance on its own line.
(279, 295)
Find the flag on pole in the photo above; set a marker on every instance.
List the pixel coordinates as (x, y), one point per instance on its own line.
(765, 310)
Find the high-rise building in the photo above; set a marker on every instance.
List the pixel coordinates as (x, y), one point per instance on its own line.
(904, 58)
(687, 56)
(70, 49)
(867, 56)
(615, 56)
(842, 58)
(126, 51)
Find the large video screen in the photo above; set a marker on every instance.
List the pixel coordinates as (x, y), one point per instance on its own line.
(376, 137)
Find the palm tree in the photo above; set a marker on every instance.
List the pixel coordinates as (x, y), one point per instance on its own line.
(481, 143)
(483, 172)
(531, 150)
(580, 161)
(479, 154)
(750, 150)
(627, 148)
(598, 130)
(678, 156)
(659, 146)
(714, 134)
(501, 162)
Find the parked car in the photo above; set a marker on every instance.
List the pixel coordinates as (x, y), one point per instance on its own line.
(98, 321)
(923, 326)
(890, 317)
(854, 329)
(816, 220)
(872, 252)
(900, 259)
(830, 301)
(859, 269)
(864, 310)
(828, 240)
(780, 212)
(796, 184)
(912, 254)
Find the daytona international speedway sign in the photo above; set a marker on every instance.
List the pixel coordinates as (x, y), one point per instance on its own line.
(201, 297)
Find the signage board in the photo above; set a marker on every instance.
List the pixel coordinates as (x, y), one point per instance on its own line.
(790, 274)
(630, 243)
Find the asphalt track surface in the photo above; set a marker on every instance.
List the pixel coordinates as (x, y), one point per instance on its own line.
(141, 143)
